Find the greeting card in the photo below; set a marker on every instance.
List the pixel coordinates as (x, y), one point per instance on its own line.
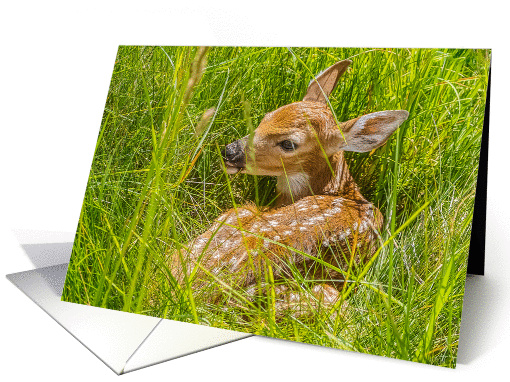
(319, 195)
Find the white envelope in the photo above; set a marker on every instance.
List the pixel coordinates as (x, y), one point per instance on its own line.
(123, 341)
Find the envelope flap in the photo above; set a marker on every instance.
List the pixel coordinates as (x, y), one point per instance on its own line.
(111, 335)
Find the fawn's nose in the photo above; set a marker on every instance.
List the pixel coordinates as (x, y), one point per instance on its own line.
(234, 153)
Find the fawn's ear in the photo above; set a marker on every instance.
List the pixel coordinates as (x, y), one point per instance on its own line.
(368, 132)
(327, 80)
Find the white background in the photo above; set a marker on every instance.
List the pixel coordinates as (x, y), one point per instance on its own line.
(56, 60)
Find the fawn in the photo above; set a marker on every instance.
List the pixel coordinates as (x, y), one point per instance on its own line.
(319, 214)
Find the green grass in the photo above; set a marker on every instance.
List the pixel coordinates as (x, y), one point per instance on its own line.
(156, 183)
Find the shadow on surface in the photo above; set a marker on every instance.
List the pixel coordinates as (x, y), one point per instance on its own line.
(477, 314)
(44, 255)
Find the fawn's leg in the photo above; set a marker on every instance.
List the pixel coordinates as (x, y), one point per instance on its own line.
(321, 297)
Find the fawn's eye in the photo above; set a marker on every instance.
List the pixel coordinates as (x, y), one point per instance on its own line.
(288, 145)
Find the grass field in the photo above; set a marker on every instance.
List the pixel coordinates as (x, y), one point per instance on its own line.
(157, 182)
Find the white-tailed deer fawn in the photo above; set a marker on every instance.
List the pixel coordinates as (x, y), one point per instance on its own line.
(321, 217)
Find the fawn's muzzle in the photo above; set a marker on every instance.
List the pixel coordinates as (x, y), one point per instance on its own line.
(234, 156)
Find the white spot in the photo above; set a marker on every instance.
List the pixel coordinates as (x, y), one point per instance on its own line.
(242, 213)
(315, 219)
(230, 220)
(227, 246)
(334, 210)
(343, 235)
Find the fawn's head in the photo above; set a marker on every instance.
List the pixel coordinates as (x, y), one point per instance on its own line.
(299, 137)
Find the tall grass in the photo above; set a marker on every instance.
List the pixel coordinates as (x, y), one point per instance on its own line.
(157, 182)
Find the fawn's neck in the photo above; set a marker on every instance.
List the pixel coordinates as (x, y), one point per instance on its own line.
(319, 180)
